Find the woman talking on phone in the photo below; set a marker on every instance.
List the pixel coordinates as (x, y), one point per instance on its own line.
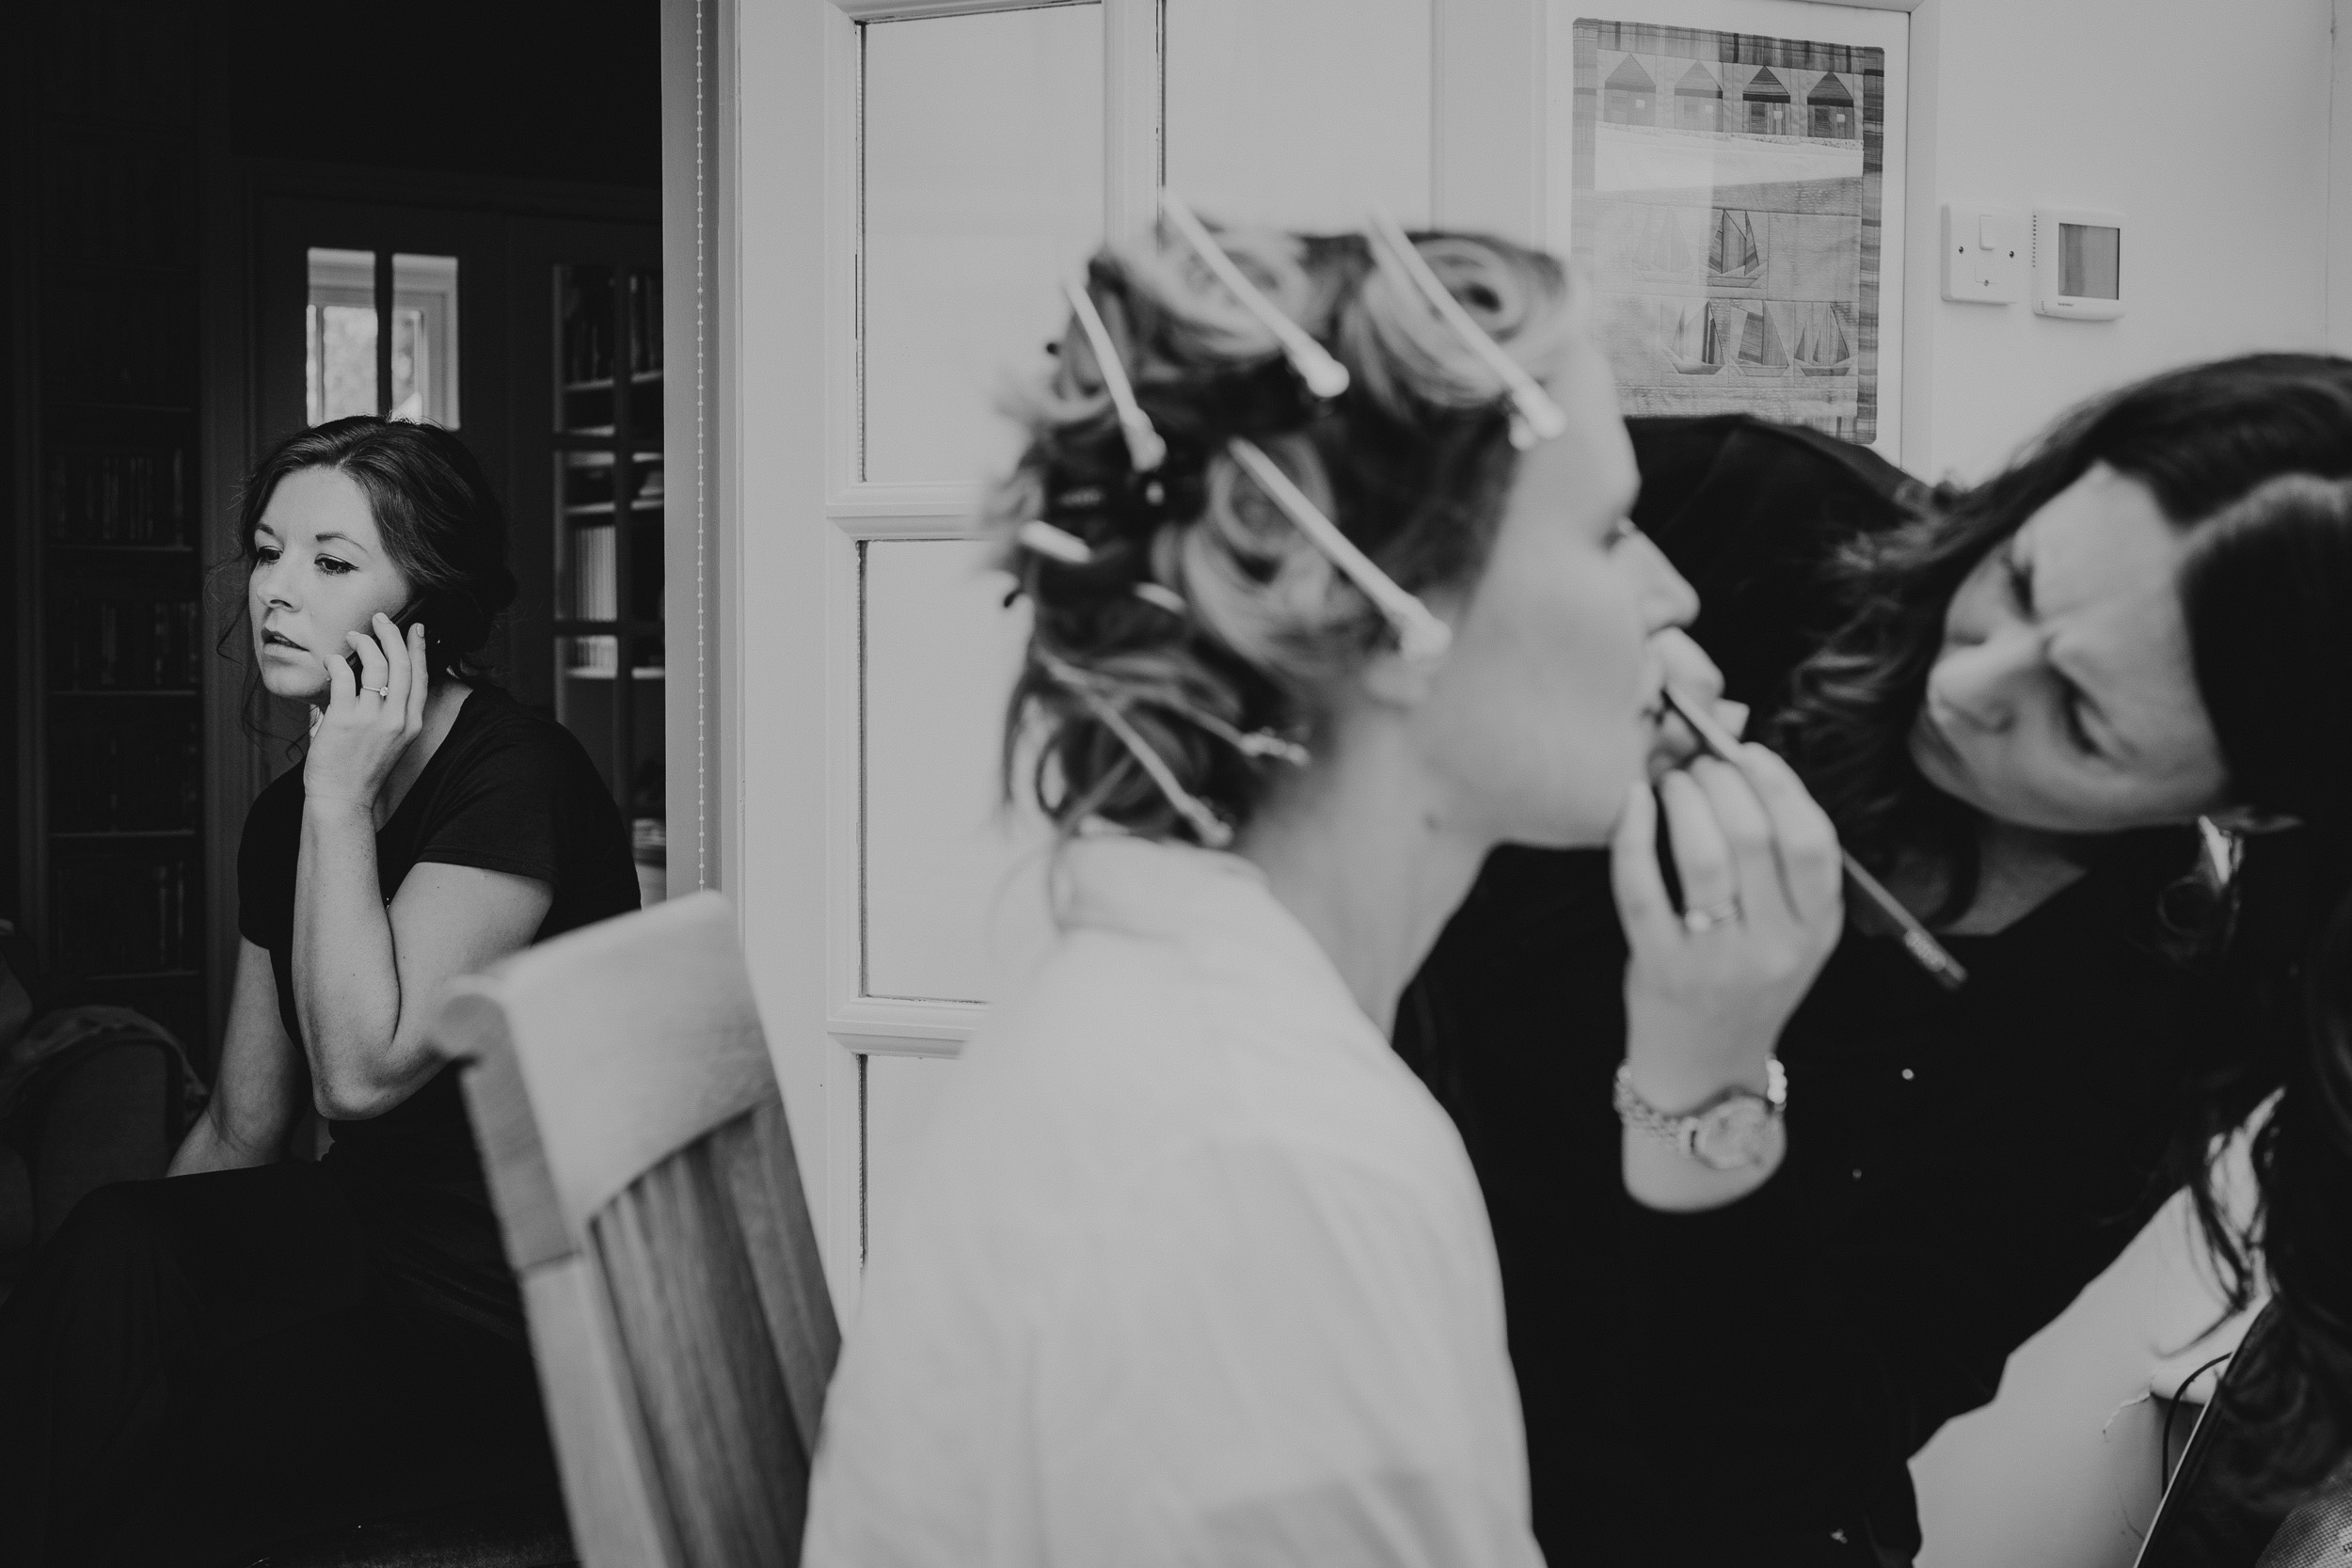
(253, 1347)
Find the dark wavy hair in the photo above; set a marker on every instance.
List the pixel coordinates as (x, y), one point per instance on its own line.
(434, 508)
(2266, 587)
(2248, 456)
(2199, 438)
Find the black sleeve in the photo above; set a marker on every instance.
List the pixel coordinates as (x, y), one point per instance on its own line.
(1829, 1332)
(266, 851)
(511, 809)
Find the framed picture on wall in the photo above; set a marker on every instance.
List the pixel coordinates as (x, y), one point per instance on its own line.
(1730, 173)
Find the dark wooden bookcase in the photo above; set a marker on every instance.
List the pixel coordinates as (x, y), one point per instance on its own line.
(604, 436)
(110, 660)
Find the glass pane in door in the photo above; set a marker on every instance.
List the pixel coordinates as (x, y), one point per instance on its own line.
(982, 145)
(425, 338)
(339, 335)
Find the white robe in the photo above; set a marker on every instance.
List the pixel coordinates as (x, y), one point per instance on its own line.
(1190, 1270)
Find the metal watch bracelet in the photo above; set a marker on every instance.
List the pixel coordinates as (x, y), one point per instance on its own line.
(1686, 1131)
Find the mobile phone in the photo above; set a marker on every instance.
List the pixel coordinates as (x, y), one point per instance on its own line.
(400, 623)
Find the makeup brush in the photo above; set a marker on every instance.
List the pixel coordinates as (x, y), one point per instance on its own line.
(1924, 949)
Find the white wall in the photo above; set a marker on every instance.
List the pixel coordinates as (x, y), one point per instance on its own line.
(2340, 189)
(2204, 121)
(2207, 123)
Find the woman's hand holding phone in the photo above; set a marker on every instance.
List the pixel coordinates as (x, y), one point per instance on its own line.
(1709, 986)
(369, 720)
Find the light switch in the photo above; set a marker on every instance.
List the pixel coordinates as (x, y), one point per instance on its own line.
(1984, 261)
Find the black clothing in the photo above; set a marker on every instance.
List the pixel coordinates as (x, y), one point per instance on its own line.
(202, 1365)
(1751, 1380)
(506, 791)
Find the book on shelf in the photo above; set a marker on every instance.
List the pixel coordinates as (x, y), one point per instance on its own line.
(106, 496)
(596, 573)
(644, 322)
(124, 916)
(117, 774)
(587, 330)
(124, 645)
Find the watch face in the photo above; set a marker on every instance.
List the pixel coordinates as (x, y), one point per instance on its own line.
(1738, 1133)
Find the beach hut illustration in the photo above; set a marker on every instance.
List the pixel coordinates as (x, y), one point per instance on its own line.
(1699, 100)
(1766, 101)
(1829, 110)
(1628, 97)
(1734, 260)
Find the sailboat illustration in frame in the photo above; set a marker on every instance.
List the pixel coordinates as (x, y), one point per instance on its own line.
(1734, 260)
(1698, 327)
(1823, 347)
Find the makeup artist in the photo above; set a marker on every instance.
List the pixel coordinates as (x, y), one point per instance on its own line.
(2016, 701)
(256, 1348)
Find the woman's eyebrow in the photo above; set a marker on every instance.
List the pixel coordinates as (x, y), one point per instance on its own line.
(330, 534)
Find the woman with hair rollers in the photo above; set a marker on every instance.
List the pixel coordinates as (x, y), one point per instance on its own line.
(1330, 596)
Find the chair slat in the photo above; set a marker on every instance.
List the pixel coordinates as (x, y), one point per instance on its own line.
(643, 1166)
(725, 1438)
(592, 1410)
(765, 1182)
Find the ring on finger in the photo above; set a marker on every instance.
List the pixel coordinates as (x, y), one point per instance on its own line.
(379, 691)
(1711, 915)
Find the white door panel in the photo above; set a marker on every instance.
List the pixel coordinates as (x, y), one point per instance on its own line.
(981, 186)
(952, 876)
(899, 1096)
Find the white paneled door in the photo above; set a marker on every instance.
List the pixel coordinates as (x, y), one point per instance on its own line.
(906, 182)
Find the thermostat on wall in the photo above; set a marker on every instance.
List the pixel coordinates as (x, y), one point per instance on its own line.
(2079, 263)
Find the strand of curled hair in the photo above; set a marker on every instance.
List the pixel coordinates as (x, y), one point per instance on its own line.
(1207, 826)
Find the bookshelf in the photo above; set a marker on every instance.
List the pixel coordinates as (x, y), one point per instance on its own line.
(112, 662)
(605, 440)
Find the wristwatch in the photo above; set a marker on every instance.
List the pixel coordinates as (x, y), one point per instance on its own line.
(1731, 1130)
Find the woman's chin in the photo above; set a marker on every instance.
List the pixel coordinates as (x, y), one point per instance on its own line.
(279, 680)
(1940, 766)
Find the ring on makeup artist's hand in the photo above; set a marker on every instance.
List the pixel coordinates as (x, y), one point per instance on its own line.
(1696, 920)
(379, 691)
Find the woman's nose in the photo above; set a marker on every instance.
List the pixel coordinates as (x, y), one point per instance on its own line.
(1977, 682)
(1667, 597)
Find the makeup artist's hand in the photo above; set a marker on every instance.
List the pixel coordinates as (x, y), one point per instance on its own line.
(357, 739)
(1709, 986)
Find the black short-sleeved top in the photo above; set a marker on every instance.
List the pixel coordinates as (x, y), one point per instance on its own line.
(506, 791)
(1748, 1384)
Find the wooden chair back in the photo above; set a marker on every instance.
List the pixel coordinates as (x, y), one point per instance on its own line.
(637, 1150)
